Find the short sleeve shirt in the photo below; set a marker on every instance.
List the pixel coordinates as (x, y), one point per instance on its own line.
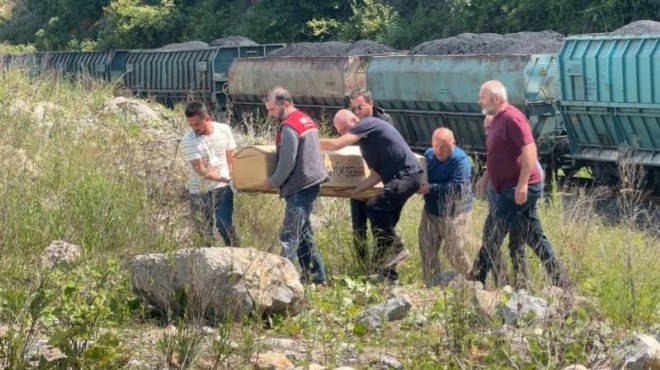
(212, 149)
(508, 134)
(384, 149)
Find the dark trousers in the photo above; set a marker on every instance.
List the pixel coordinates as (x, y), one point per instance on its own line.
(359, 222)
(524, 224)
(215, 204)
(516, 250)
(384, 210)
(297, 235)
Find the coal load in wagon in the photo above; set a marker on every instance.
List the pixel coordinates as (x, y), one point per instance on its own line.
(638, 28)
(332, 49)
(185, 46)
(312, 49)
(233, 41)
(368, 47)
(492, 43)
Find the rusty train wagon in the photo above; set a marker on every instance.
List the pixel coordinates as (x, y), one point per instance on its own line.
(320, 86)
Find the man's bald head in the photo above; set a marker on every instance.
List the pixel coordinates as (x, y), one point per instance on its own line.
(443, 133)
(345, 120)
(443, 143)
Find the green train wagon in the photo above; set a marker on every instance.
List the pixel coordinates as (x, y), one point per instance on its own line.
(423, 93)
(175, 76)
(611, 102)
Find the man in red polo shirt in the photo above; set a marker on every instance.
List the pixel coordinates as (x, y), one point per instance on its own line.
(518, 182)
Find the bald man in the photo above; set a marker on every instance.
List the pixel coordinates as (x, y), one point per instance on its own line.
(363, 105)
(391, 161)
(447, 207)
(511, 166)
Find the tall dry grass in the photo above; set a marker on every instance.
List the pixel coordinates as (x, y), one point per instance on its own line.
(116, 186)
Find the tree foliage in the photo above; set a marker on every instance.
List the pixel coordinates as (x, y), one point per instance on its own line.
(84, 24)
(138, 23)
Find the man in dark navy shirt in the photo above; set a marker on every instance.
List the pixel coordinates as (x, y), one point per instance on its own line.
(391, 161)
(362, 104)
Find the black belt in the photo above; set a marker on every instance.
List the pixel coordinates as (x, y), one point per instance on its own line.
(405, 173)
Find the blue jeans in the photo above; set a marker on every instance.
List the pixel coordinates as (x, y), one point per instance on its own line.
(219, 203)
(524, 225)
(297, 235)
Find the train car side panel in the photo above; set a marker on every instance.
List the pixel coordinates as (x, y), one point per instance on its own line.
(426, 92)
(319, 85)
(611, 104)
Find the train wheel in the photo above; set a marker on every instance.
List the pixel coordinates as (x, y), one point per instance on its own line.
(604, 174)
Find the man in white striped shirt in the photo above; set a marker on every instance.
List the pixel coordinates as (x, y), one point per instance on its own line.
(209, 147)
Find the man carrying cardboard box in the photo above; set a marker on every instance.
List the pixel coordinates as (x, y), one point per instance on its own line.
(362, 104)
(209, 147)
(447, 207)
(299, 174)
(390, 161)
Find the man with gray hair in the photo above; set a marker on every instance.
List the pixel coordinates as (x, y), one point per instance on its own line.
(299, 174)
(511, 166)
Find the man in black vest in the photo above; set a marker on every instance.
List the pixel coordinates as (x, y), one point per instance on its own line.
(391, 161)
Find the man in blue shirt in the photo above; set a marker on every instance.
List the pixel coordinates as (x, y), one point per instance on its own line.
(447, 207)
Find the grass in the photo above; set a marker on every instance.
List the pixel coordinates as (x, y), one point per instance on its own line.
(99, 180)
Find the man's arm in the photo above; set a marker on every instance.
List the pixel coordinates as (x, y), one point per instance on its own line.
(527, 163)
(203, 171)
(230, 161)
(368, 183)
(482, 183)
(287, 158)
(458, 179)
(340, 142)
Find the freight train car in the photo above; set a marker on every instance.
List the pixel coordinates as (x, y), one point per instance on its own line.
(28, 62)
(174, 76)
(104, 65)
(420, 92)
(611, 102)
(319, 85)
(425, 92)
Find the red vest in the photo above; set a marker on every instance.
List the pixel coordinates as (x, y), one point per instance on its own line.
(299, 122)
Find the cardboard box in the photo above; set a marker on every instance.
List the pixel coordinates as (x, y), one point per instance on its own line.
(346, 169)
(252, 166)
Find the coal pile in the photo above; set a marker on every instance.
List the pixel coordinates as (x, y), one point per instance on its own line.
(493, 43)
(233, 41)
(185, 45)
(638, 28)
(332, 48)
(312, 49)
(368, 47)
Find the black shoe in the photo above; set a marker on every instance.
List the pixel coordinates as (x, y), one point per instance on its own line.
(386, 277)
